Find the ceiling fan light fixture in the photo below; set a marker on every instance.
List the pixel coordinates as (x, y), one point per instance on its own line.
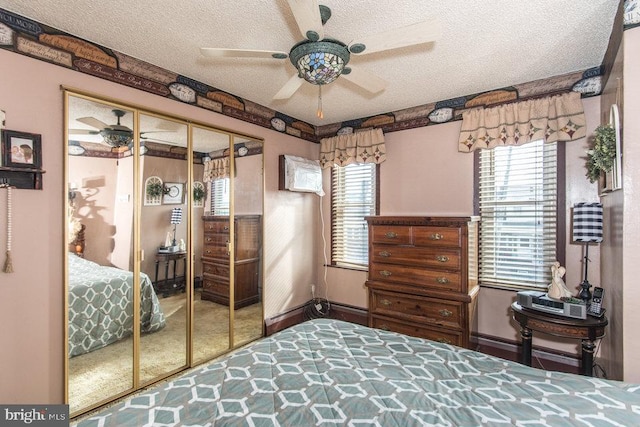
(320, 63)
(117, 138)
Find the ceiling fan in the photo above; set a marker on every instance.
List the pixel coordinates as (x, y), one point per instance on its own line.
(321, 61)
(116, 135)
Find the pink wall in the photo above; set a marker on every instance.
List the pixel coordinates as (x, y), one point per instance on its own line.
(32, 298)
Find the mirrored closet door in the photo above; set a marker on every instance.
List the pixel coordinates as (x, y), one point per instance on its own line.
(164, 236)
(100, 257)
(164, 177)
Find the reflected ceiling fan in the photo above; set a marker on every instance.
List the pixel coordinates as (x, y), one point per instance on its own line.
(116, 135)
(321, 61)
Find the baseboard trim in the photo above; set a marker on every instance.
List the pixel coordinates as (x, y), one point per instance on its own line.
(542, 357)
(294, 316)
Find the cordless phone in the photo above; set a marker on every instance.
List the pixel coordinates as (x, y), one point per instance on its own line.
(595, 309)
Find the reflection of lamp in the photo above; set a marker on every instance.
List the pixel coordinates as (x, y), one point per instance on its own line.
(176, 218)
(587, 227)
(117, 135)
(73, 188)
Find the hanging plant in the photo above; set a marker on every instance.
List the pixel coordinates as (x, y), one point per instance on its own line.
(601, 156)
(155, 189)
(198, 193)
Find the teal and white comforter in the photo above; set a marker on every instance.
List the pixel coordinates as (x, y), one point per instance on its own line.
(327, 373)
(100, 305)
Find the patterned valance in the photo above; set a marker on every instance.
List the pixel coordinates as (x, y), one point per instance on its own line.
(555, 118)
(216, 169)
(360, 147)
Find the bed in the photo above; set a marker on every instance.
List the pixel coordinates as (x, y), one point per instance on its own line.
(329, 372)
(100, 305)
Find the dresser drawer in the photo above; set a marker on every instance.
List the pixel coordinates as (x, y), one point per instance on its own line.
(436, 236)
(212, 251)
(215, 286)
(395, 234)
(215, 269)
(446, 258)
(416, 330)
(416, 276)
(216, 227)
(418, 309)
(216, 239)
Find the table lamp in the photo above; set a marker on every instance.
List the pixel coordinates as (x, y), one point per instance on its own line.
(587, 228)
(176, 218)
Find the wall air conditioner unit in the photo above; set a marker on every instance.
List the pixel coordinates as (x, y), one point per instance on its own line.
(300, 174)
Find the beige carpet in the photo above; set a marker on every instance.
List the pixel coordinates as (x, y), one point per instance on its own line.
(108, 371)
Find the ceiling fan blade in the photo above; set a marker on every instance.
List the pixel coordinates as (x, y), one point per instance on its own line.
(93, 122)
(289, 88)
(213, 52)
(421, 32)
(83, 132)
(367, 81)
(156, 131)
(152, 139)
(307, 14)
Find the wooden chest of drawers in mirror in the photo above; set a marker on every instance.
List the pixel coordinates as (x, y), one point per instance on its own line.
(423, 276)
(215, 259)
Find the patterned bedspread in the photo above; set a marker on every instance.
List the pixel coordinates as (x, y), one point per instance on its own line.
(327, 372)
(100, 300)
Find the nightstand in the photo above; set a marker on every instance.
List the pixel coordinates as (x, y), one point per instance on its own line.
(170, 284)
(588, 330)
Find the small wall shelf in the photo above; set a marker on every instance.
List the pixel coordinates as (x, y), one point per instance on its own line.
(22, 178)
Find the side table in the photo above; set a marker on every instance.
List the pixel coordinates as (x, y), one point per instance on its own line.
(588, 330)
(173, 283)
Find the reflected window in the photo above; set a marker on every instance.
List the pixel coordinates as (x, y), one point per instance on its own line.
(219, 196)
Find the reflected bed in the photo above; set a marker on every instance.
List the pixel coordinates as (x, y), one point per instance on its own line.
(100, 305)
(329, 372)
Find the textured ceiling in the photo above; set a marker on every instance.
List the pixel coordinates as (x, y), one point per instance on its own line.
(484, 45)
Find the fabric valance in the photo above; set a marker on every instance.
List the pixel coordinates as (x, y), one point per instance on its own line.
(216, 169)
(555, 118)
(360, 147)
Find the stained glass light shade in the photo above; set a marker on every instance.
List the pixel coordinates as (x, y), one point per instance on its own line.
(117, 138)
(320, 63)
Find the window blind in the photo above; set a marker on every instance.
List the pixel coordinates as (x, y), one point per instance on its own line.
(518, 209)
(353, 196)
(219, 196)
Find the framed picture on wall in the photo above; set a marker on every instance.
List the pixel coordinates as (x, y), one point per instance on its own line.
(173, 193)
(21, 149)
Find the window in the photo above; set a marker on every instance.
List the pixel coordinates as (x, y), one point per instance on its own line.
(517, 188)
(353, 196)
(219, 196)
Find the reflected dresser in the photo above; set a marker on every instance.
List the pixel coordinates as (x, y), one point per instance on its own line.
(246, 267)
(423, 276)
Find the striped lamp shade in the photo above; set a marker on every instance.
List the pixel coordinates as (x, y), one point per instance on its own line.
(587, 222)
(176, 215)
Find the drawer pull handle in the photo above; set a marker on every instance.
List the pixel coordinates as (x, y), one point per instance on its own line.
(444, 340)
(209, 239)
(385, 302)
(442, 258)
(385, 327)
(385, 254)
(225, 228)
(436, 236)
(442, 280)
(391, 235)
(385, 273)
(445, 313)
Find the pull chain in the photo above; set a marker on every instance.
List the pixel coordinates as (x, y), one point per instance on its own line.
(319, 113)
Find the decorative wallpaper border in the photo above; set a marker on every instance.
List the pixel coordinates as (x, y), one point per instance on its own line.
(27, 37)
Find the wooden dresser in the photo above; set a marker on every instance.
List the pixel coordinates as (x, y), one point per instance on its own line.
(423, 276)
(215, 259)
